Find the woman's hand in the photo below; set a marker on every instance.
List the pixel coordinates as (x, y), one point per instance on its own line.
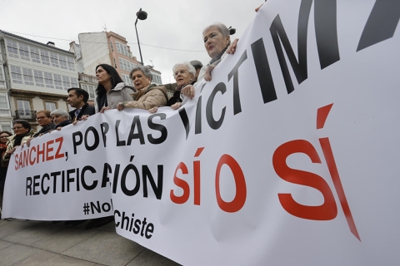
(188, 91)
(105, 109)
(120, 106)
(232, 47)
(207, 75)
(27, 143)
(176, 106)
(153, 110)
(9, 152)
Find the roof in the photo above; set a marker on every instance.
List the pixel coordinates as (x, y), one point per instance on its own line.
(8, 34)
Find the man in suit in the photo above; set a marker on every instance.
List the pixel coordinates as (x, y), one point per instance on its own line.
(78, 98)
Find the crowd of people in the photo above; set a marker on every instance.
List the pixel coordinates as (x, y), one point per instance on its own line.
(113, 93)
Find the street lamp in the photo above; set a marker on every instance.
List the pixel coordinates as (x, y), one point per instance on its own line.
(142, 15)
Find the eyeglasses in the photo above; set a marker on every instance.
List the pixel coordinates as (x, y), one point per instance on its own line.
(41, 117)
(14, 128)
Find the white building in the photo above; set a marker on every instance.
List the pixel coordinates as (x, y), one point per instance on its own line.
(33, 76)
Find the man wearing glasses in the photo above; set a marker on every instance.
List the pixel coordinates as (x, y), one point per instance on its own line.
(45, 121)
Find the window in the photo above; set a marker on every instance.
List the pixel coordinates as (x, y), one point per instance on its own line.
(2, 80)
(63, 61)
(112, 47)
(28, 77)
(71, 63)
(4, 109)
(122, 48)
(51, 106)
(54, 59)
(35, 54)
(24, 109)
(58, 82)
(66, 83)
(90, 89)
(126, 50)
(5, 127)
(12, 48)
(44, 55)
(74, 82)
(125, 64)
(24, 51)
(16, 74)
(119, 47)
(126, 79)
(48, 79)
(38, 75)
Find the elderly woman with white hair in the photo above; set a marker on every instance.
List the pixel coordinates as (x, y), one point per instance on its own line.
(60, 118)
(184, 74)
(148, 95)
(216, 39)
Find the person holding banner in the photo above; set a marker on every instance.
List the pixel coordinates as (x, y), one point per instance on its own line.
(78, 98)
(216, 41)
(148, 95)
(60, 118)
(23, 132)
(111, 89)
(44, 120)
(3, 164)
(184, 74)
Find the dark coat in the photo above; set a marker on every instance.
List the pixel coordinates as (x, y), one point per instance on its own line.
(63, 124)
(86, 110)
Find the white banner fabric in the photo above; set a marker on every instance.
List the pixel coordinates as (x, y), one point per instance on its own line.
(287, 157)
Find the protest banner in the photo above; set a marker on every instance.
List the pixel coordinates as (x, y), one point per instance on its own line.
(287, 157)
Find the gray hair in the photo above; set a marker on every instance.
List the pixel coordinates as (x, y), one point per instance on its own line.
(144, 70)
(221, 27)
(61, 112)
(189, 67)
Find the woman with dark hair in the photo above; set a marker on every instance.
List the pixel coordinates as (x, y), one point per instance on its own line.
(3, 164)
(111, 89)
(148, 95)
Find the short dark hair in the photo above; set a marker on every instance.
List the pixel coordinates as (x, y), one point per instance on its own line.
(79, 92)
(197, 64)
(24, 123)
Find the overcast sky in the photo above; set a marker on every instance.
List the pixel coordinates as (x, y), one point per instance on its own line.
(172, 33)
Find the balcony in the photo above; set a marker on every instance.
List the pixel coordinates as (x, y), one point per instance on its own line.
(28, 115)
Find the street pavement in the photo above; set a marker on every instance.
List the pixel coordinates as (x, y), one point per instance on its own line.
(47, 243)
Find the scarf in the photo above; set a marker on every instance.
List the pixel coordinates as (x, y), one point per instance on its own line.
(218, 57)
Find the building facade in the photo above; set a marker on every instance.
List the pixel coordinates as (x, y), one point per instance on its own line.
(36, 77)
(96, 48)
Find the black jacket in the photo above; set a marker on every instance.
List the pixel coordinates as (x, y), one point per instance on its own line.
(86, 110)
